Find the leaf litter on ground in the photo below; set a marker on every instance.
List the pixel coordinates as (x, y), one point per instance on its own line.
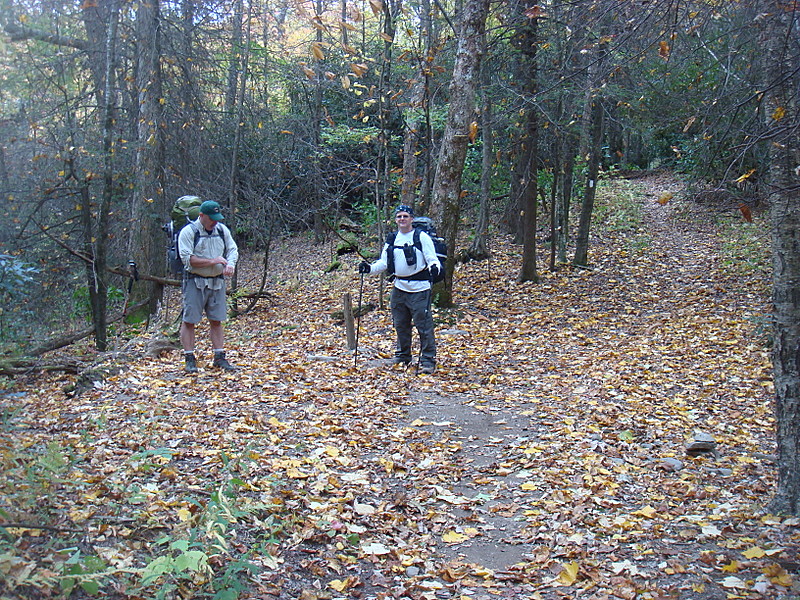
(544, 459)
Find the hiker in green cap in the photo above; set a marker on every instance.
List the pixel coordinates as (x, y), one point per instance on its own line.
(209, 255)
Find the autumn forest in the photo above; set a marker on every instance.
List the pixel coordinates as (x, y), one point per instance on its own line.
(615, 411)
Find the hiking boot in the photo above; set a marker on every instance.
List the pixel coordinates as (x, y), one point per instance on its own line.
(220, 362)
(427, 369)
(399, 360)
(191, 363)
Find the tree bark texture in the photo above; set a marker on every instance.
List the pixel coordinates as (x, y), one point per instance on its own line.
(446, 206)
(149, 205)
(783, 119)
(527, 161)
(479, 249)
(587, 206)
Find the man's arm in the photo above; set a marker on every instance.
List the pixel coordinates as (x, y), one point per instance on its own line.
(186, 245)
(231, 249)
(379, 265)
(429, 251)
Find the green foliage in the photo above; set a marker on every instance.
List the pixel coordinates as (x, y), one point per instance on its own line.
(746, 247)
(82, 307)
(617, 210)
(86, 572)
(369, 213)
(197, 552)
(343, 136)
(16, 278)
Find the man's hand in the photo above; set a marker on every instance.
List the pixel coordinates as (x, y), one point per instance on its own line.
(228, 270)
(364, 268)
(434, 271)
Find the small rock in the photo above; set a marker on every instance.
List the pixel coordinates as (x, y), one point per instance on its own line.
(670, 464)
(702, 443)
(412, 571)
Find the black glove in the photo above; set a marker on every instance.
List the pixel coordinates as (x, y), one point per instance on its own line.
(364, 268)
(434, 271)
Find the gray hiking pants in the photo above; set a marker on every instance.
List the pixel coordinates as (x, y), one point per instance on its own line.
(413, 308)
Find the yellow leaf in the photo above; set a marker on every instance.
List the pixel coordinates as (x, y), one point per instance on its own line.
(184, 515)
(529, 486)
(386, 37)
(309, 73)
(338, 585)
(570, 573)
(316, 50)
(754, 552)
(664, 198)
(779, 113)
(346, 25)
(295, 473)
(778, 575)
(732, 567)
(647, 511)
(453, 537)
(747, 175)
(473, 131)
(345, 82)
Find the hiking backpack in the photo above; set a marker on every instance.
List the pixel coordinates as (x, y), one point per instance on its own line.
(439, 245)
(185, 211)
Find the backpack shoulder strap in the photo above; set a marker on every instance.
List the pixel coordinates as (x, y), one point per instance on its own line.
(417, 241)
(218, 231)
(390, 252)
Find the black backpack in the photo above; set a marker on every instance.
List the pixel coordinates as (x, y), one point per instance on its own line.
(420, 224)
(185, 210)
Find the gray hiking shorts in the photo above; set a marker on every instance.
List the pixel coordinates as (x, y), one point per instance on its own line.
(197, 299)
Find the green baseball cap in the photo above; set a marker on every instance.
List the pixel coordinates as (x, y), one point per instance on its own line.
(212, 209)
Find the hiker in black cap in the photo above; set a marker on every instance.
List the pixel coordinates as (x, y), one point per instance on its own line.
(209, 254)
(415, 264)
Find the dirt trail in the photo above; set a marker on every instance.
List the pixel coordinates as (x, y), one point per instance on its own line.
(631, 310)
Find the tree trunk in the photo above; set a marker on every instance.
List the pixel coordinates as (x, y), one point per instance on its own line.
(243, 54)
(783, 115)
(98, 283)
(528, 158)
(446, 206)
(148, 207)
(479, 249)
(565, 196)
(581, 258)
(416, 129)
(317, 110)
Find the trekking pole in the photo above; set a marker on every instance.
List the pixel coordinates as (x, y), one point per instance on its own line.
(358, 319)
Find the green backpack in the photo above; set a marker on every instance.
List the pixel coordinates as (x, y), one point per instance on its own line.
(185, 210)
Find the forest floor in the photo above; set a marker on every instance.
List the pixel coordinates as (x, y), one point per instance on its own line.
(550, 455)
